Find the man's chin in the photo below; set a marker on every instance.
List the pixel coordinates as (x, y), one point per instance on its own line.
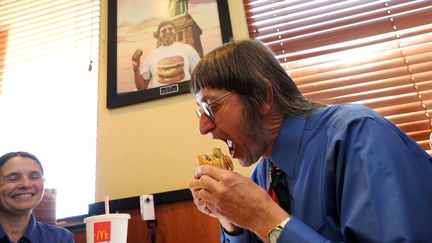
(245, 163)
(167, 42)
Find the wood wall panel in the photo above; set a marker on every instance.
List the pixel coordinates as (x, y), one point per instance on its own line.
(177, 222)
(79, 236)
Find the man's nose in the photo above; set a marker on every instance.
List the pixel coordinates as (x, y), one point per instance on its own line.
(206, 125)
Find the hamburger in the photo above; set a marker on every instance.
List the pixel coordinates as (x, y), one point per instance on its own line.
(170, 70)
(216, 158)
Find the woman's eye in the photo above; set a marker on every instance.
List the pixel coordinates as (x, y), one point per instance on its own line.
(35, 176)
(11, 178)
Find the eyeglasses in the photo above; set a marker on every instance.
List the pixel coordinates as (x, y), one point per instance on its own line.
(205, 107)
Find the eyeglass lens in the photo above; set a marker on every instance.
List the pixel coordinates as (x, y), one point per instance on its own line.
(207, 110)
(206, 107)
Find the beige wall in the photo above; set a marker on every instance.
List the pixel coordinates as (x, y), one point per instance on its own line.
(152, 146)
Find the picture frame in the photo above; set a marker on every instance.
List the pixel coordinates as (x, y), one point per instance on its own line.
(121, 43)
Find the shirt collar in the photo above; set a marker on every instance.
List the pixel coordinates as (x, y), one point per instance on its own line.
(2, 233)
(287, 144)
(30, 232)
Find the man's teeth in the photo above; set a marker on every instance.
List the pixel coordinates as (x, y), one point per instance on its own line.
(231, 146)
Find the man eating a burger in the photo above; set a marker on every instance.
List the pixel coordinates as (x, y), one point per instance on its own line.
(323, 173)
(171, 62)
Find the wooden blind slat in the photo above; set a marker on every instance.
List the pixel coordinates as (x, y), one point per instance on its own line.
(375, 53)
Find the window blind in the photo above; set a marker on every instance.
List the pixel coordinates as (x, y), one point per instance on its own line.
(374, 52)
(48, 97)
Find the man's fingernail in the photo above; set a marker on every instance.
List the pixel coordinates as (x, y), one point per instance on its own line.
(197, 171)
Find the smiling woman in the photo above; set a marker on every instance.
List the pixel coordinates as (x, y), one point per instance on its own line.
(22, 184)
(21, 190)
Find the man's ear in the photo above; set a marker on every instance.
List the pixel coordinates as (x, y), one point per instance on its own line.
(267, 106)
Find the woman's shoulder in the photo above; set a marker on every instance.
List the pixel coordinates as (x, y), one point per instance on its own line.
(55, 231)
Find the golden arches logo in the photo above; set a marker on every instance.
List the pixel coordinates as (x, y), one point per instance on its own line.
(102, 231)
(102, 235)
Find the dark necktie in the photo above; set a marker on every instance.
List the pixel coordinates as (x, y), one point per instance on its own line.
(278, 188)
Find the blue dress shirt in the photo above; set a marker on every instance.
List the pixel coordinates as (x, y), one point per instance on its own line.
(353, 176)
(38, 232)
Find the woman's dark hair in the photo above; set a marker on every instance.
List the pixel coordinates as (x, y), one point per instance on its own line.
(11, 155)
(250, 69)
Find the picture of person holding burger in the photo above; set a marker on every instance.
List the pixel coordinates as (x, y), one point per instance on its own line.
(171, 62)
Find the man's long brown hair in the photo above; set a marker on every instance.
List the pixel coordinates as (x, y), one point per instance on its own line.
(250, 69)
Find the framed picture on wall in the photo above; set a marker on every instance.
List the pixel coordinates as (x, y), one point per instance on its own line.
(154, 45)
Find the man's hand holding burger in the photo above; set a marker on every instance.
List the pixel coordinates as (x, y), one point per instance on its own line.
(235, 200)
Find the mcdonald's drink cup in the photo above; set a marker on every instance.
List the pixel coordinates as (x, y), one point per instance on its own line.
(107, 228)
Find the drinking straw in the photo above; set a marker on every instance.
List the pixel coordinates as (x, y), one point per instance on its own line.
(106, 205)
